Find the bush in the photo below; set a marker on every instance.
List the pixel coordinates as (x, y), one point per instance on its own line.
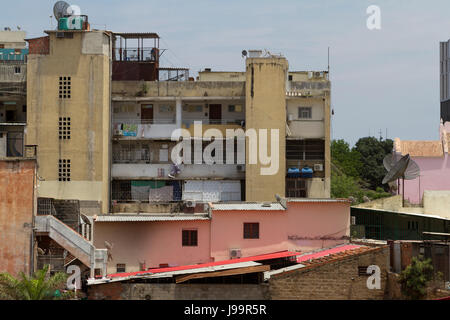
(415, 277)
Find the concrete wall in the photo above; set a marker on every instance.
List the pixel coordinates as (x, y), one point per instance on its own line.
(307, 128)
(437, 203)
(88, 108)
(188, 171)
(265, 108)
(336, 280)
(13, 39)
(171, 291)
(152, 242)
(131, 89)
(16, 214)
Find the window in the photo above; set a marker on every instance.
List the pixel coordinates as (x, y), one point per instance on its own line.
(64, 170)
(231, 108)
(305, 112)
(65, 87)
(251, 230)
(24, 108)
(64, 128)
(121, 267)
(190, 238)
(17, 70)
(290, 77)
(308, 149)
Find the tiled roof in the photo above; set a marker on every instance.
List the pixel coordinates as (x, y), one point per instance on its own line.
(318, 258)
(417, 148)
(139, 218)
(249, 206)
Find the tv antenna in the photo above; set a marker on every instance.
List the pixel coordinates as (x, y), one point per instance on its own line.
(405, 168)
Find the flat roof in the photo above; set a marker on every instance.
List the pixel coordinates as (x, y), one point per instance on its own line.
(248, 206)
(136, 35)
(144, 217)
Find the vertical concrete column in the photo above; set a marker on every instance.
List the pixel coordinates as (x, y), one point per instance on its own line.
(178, 112)
(265, 109)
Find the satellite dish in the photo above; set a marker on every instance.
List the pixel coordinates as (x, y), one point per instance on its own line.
(60, 9)
(244, 53)
(405, 168)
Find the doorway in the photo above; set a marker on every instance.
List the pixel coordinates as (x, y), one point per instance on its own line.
(146, 113)
(215, 114)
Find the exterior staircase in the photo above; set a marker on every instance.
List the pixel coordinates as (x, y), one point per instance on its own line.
(72, 241)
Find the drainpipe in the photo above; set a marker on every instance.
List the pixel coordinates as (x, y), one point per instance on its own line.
(31, 267)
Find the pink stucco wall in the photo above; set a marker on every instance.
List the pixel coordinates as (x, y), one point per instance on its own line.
(434, 175)
(154, 242)
(304, 226)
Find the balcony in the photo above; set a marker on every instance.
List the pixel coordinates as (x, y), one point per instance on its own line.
(188, 171)
(144, 128)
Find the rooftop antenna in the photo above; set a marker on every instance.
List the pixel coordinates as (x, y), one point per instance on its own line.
(405, 168)
(328, 61)
(60, 9)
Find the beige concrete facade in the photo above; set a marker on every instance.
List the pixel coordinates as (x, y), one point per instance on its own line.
(265, 108)
(88, 65)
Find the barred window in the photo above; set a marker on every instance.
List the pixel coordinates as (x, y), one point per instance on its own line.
(64, 170)
(64, 128)
(190, 238)
(65, 87)
(251, 230)
(121, 267)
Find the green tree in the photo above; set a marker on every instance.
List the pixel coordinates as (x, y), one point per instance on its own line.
(41, 286)
(415, 277)
(372, 152)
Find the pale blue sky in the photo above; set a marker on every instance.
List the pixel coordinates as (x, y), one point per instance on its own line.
(380, 79)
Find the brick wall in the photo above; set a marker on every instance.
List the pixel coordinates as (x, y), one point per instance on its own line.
(171, 291)
(335, 280)
(16, 215)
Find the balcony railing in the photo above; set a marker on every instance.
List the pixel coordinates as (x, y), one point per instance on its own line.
(144, 121)
(240, 122)
(135, 156)
(146, 54)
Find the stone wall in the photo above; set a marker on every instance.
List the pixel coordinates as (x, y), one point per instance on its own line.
(172, 291)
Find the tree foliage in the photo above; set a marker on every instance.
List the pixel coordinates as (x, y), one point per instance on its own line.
(415, 277)
(357, 172)
(40, 286)
(372, 152)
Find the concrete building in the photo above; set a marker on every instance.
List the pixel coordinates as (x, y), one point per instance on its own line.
(102, 112)
(13, 104)
(69, 113)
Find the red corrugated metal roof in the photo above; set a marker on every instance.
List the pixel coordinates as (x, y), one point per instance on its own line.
(269, 256)
(327, 252)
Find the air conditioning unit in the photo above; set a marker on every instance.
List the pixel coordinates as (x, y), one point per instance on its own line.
(290, 117)
(190, 203)
(318, 167)
(235, 253)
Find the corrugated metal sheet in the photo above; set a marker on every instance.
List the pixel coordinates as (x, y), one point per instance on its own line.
(248, 206)
(318, 200)
(374, 210)
(131, 218)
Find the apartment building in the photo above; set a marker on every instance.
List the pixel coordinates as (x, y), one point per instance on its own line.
(13, 105)
(106, 117)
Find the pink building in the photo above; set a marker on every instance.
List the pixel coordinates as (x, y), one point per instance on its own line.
(228, 230)
(432, 158)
